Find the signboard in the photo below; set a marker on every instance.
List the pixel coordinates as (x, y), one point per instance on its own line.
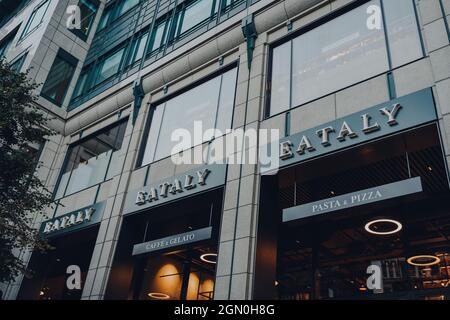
(354, 199)
(73, 221)
(173, 241)
(175, 188)
(387, 118)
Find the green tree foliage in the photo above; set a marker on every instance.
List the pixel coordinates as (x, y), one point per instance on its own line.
(22, 194)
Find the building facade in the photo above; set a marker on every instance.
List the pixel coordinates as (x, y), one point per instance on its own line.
(359, 92)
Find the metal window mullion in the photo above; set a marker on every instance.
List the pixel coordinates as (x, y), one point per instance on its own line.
(150, 37)
(172, 27)
(419, 31)
(386, 36)
(159, 131)
(444, 16)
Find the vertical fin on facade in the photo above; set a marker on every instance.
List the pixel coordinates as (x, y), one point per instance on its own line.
(138, 93)
(250, 34)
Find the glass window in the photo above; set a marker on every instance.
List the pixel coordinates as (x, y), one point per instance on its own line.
(343, 49)
(196, 13)
(137, 49)
(88, 11)
(7, 42)
(36, 18)
(346, 50)
(403, 34)
(81, 84)
(59, 78)
(281, 78)
(211, 103)
(105, 18)
(18, 64)
(92, 161)
(109, 66)
(159, 34)
(126, 5)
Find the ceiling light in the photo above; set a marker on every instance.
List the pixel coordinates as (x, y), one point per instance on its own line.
(41, 293)
(158, 296)
(398, 226)
(206, 257)
(433, 260)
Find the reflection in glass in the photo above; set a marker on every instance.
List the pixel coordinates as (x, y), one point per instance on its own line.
(58, 80)
(196, 13)
(110, 66)
(88, 11)
(342, 52)
(203, 104)
(281, 79)
(93, 161)
(403, 33)
(336, 55)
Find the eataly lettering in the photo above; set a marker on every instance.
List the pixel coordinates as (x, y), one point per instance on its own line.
(177, 186)
(68, 221)
(345, 132)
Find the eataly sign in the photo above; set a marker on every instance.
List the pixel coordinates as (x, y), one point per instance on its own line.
(345, 132)
(172, 188)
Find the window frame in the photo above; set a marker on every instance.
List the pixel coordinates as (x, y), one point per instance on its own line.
(96, 68)
(182, 12)
(20, 59)
(80, 34)
(134, 45)
(161, 103)
(309, 27)
(27, 31)
(113, 13)
(77, 144)
(7, 42)
(71, 60)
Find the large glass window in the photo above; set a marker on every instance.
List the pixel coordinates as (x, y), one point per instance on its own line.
(88, 12)
(59, 77)
(137, 49)
(7, 42)
(81, 84)
(18, 63)
(36, 17)
(158, 36)
(403, 33)
(126, 5)
(211, 103)
(196, 13)
(92, 161)
(342, 52)
(109, 66)
(107, 13)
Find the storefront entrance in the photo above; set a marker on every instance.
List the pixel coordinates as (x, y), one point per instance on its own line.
(351, 243)
(48, 271)
(169, 252)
